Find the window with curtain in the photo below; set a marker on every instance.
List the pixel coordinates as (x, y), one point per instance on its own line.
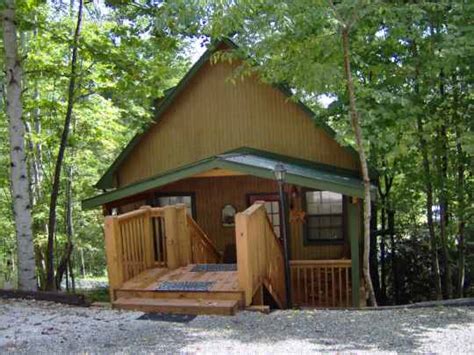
(324, 216)
(173, 200)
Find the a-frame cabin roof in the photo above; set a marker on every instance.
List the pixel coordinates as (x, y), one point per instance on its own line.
(107, 180)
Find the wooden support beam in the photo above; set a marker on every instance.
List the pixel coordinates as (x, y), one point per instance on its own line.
(113, 250)
(353, 225)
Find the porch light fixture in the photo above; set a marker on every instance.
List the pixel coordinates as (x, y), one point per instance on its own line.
(280, 174)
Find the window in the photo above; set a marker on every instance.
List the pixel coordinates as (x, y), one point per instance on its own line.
(273, 211)
(166, 200)
(272, 205)
(324, 216)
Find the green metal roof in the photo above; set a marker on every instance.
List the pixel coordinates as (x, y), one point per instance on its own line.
(252, 162)
(106, 181)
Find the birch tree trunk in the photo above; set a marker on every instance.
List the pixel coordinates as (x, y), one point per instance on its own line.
(50, 280)
(18, 166)
(363, 162)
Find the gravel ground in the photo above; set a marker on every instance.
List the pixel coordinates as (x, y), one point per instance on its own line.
(44, 327)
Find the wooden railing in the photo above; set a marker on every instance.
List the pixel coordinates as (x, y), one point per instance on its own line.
(203, 249)
(128, 245)
(151, 237)
(321, 283)
(260, 258)
(159, 237)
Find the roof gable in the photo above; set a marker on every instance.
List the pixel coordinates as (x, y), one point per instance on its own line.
(107, 180)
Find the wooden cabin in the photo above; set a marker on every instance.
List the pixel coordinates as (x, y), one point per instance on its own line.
(193, 217)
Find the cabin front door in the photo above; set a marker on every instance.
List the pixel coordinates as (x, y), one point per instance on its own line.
(272, 205)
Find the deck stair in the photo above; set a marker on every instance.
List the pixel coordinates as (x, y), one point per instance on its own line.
(179, 305)
(186, 290)
(160, 260)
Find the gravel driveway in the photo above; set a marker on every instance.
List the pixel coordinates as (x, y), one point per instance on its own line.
(43, 327)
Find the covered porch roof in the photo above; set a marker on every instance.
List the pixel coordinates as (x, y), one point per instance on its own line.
(252, 162)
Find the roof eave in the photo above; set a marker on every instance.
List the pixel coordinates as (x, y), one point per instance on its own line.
(221, 162)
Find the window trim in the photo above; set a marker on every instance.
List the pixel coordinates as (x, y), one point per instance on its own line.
(277, 196)
(157, 195)
(306, 240)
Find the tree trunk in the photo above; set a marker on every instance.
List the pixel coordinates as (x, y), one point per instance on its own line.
(363, 162)
(50, 284)
(427, 179)
(383, 273)
(374, 269)
(66, 258)
(443, 199)
(18, 164)
(461, 213)
(391, 232)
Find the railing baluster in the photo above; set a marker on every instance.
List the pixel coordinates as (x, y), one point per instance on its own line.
(347, 286)
(340, 286)
(320, 303)
(326, 301)
(321, 283)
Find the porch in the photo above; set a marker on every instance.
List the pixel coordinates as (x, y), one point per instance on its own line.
(160, 260)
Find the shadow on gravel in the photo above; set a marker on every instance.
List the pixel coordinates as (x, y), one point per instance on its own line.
(401, 330)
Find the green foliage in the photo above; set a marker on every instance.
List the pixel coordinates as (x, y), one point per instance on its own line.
(411, 61)
(122, 70)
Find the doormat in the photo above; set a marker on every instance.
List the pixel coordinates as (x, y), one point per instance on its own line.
(214, 267)
(185, 286)
(166, 317)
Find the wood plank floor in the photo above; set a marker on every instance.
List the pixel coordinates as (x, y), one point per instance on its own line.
(224, 281)
(140, 293)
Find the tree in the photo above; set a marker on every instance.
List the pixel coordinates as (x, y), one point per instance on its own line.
(50, 285)
(18, 162)
(109, 107)
(356, 126)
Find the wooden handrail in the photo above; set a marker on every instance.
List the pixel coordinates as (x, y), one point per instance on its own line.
(129, 246)
(332, 262)
(132, 238)
(204, 250)
(260, 259)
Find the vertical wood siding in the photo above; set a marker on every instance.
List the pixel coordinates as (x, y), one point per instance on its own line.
(212, 116)
(213, 193)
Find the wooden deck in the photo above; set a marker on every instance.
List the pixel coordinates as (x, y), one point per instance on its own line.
(157, 272)
(140, 293)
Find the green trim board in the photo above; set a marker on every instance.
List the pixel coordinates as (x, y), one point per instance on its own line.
(253, 163)
(106, 181)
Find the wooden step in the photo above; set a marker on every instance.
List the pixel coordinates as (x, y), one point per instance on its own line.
(213, 295)
(178, 306)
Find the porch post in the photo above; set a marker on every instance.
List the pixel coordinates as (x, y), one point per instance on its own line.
(354, 233)
(184, 236)
(113, 251)
(172, 241)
